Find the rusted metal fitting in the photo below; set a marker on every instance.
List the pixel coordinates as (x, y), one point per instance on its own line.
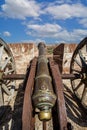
(43, 97)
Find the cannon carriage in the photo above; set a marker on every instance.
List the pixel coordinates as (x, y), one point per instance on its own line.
(44, 87)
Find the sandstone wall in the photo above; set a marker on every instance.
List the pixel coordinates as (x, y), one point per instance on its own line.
(68, 52)
(24, 52)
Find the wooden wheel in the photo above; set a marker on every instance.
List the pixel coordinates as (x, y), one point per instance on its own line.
(7, 66)
(79, 66)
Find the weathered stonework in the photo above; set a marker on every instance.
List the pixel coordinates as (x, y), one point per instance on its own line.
(23, 53)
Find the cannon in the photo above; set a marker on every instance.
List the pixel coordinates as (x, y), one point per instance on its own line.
(43, 97)
(43, 88)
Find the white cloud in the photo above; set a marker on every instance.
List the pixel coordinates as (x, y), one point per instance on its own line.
(6, 33)
(66, 11)
(43, 30)
(54, 31)
(74, 36)
(20, 9)
(63, 1)
(83, 22)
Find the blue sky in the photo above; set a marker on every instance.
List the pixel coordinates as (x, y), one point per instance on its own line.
(51, 21)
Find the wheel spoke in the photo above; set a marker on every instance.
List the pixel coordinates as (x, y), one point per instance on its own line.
(12, 88)
(82, 59)
(6, 62)
(78, 86)
(1, 98)
(76, 71)
(78, 63)
(6, 89)
(10, 71)
(84, 94)
(7, 82)
(1, 52)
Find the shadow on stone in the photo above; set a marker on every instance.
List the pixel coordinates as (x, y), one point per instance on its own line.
(5, 117)
(75, 111)
(18, 106)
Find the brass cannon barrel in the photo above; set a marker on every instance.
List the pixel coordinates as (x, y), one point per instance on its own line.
(43, 97)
